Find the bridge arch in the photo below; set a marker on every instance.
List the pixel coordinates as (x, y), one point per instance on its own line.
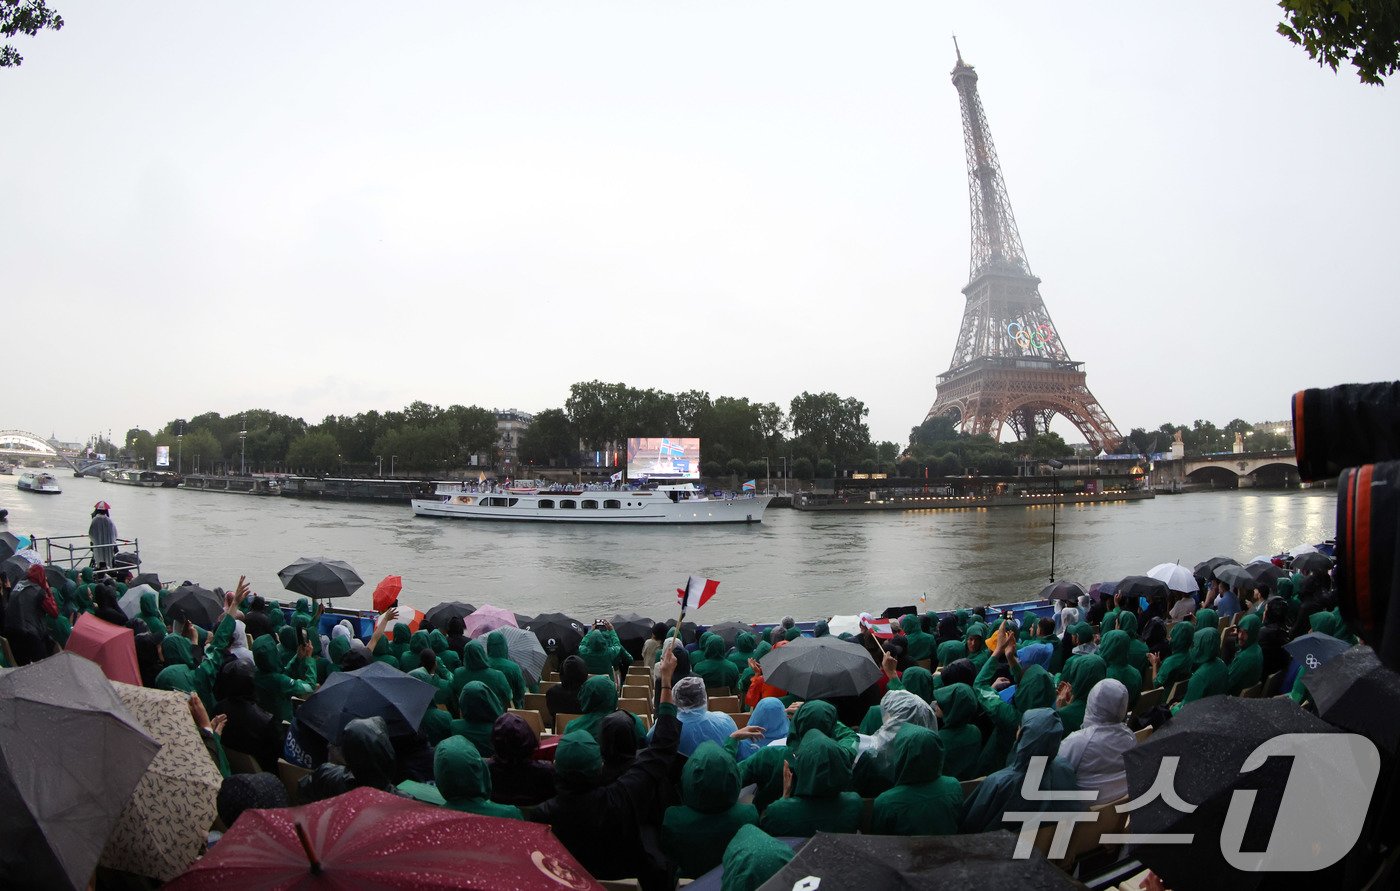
(1218, 476)
(1276, 474)
(1045, 403)
(22, 440)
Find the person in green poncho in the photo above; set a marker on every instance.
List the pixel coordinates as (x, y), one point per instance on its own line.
(951, 651)
(874, 770)
(917, 680)
(498, 657)
(1247, 667)
(1208, 618)
(1113, 650)
(477, 667)
(464, 780)
(479, 707)
(962, 741)
(398, 640)
(598, 699)
(765, 767)
(1035, 688)
(715, 670)
(339, 646)
(150, 613)
(277, 682)
(923, 800)
(1166, 673)
(816, 796)
(180, 671)
(977, 651)
(918, 643)
(744, 645)
(599, 649)
(1079, 677)
(695, 834)
(1137, 650)
(751, 859)
(288, 642)
(1040, 734)
(1209, 676)
(429, 673)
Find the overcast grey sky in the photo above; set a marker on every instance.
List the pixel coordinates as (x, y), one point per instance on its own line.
(331, 207)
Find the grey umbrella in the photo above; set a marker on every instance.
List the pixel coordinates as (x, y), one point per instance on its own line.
(1235, 576)
(376, 690)
(730, 631)
(320, 578)
(73, 757)
(1312, 562)
(9, 543)
(820, 667)
(525, 651)
(1265, 574)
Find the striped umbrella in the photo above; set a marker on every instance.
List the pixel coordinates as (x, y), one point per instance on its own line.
(525, 651)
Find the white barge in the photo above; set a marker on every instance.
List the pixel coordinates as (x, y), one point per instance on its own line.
(675, 505)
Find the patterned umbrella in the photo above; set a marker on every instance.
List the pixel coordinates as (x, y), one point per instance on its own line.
(166, 822)
(371, 839)
(487, 619)
(525, 651)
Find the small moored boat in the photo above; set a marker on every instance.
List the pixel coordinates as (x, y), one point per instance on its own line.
(38, 482)
(149, 479)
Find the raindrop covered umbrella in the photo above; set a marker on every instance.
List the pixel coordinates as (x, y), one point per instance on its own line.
(1175, 576)
(320, 578)
(73, 756)
(526, 651)
(689, 630)
(376, 690)
(557, 633)
(1266, 574)
(820, 667)
(195, 604)
(371, 839)
(1235, 576)
(163, 828)
(1143, 586)
(17, 566)
(1355, 692)
(55, 576)
(632, 631)
(730, 631)
(1312, 562)
(438, 616)
(147, 578)
(386, 593)
(1069, 591)
(487, 619)
(1100, 590)
(1205, 570)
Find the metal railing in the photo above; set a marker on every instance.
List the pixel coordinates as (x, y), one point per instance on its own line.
(77, 550)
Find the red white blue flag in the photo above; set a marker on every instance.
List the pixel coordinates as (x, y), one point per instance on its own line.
(695, 593)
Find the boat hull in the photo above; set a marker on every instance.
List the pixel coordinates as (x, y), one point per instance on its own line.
(632, 509)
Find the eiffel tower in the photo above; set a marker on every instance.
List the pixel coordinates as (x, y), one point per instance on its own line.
(1009, 365)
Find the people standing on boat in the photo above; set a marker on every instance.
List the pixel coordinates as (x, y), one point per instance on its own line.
(102, 535)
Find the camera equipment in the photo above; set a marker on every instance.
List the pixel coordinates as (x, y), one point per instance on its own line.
(1368, 545)
(1345, 426)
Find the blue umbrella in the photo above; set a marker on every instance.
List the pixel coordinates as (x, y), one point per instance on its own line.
(1314, 649)
(377, 690)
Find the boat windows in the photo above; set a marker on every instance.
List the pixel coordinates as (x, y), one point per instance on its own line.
(589, 505)
(545, 503)
(612, 504)
(501, 502)
(568, 503)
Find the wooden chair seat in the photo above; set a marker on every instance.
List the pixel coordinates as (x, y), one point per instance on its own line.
(1149, 699)
(1272, 683)
(635, 706)
(1143, 734)
(290, 775)
(531, 717)
(970, 786)
(1178, 691)
(1254, 692)
(540, 703)
(724, 703)
(561, 721)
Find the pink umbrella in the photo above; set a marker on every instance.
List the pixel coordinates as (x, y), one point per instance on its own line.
(112, 647)
(488, 619)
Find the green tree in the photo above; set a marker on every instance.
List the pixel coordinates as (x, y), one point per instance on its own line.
(833, 426)
(826, 469)
(802, 469)
(315, 452)
(755, 470)
(27, 17)
(735, 467)
(550, 440)
(712, 469)
(1365, 33)
(475, 429)
(201, 451)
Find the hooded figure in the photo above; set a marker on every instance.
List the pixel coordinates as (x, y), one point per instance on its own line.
(1083, 639)
(250, 728)
(1082, 673)
(1067, 617)
(1247, 668)
(275, 683)
(1137, 649)
(562, 698)
(919, 645)
(181, 673)
(1325, 622)
(695, 834)
(1001, 791)
(771, 715)
(618, 744)
(369, 754)
(398, 642)
(698, 723)
(498, 657)
(715, 670)
(150, 612)
(962, 741)
(765, 767)
(977, 652)
(599, 650)
(1095, 751)
(340, 645)
(464, 780)
(1207, 618)
(751, 859)
(30, 604)
(102, 534)
(822, 628)
(598, 697)
(820, 799)
(744, 646)
(1113, 649)
(1177, 666)
(875, 767)
(919, 681)
(1209, 676)
(923, 800)
(475, 667)
(479, 707)
(1035, 689)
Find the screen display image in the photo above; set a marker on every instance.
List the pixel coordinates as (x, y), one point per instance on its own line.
(669, 458)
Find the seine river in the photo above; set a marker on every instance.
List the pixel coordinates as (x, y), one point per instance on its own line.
(804, 564)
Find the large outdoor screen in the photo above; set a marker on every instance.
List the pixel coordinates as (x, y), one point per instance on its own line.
(663, 458)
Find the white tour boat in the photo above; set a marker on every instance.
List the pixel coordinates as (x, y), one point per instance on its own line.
(42, 483)
(682, 504)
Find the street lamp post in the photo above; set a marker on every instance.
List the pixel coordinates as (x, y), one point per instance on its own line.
(243, 452)
(1054, 512)
(380, 460)
(180, 452)
(392, 459)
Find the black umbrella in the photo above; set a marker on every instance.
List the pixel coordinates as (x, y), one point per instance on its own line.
(377, 690)
(689, 631)
(320, 578)
(194, 604)
(9, 543)
(1356, 692)
(1315, 649)
(1070, 591)
(1206, 568)
(1142, 586)
(438, 616)
(820, 668)
(147, 578)
(730, 631)
(1312, 562)
(15, 568)
(55, 576)
(521, 620)
(633, 630)
(1211, 739)
(916, 862)
(1235, 576)
(558, 633)
(73, 757)
(1266, 574)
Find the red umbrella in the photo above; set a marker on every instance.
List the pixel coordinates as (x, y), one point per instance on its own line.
(371, 839)
(113, 647)
(386, 593)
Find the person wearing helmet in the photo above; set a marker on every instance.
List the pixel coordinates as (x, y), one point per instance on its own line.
(102, 534)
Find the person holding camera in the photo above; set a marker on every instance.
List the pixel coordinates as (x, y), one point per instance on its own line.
(600, 648)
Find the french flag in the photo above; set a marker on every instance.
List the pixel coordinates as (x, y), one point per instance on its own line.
(695, 593)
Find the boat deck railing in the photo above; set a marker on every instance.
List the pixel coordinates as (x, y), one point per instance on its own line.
(77, 550)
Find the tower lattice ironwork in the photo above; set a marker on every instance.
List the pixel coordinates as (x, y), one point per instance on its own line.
(1009, 364)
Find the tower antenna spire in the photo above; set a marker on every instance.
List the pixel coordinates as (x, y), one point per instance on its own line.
(956, 50)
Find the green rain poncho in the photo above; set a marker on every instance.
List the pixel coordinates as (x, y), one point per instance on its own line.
(743, 651)
(751, 859)
(150, 612)
(276, 683)
(1207, 618)
(464, 780)
(398, 640)
(923, 801)
(1177, 666)
(479, 708)
(599, 651)
(1000, 792)
(598, 699)
(977, 634)
(1209, 676)
(1113, 650)
(181, 673)
(695, 834)
(438, 641)
(765, 767)
(498, 657)
(917, 680)
(951, 651)
(383, 653)
(715, 670)
(1036, 689)
(339, 646)
(1081, 673)
(476, 667)
(1137, 650)
(962, 741)
(918, 643)
(820, 802)
(1247, 668)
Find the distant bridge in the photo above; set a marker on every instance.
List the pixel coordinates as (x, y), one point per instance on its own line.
(1230, 470)
(23, 444)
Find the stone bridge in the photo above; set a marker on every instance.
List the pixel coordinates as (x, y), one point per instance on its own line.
(1240, 469)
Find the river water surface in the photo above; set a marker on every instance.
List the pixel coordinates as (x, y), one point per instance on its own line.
(798, 563)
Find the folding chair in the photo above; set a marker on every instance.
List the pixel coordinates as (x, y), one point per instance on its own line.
(724, 703)
(561, 721)
(531, 717)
